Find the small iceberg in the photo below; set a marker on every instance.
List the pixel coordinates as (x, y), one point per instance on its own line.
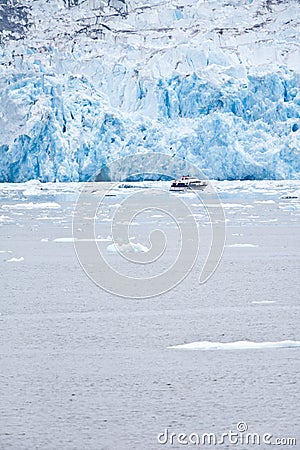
(238, 345)
(15, 259)
(263, 302)
(64, 239)
(131, 247)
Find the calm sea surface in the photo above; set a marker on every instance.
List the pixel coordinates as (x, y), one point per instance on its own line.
(82, 369)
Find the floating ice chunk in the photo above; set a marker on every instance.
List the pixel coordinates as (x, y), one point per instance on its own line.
(65, 239)
(238, 345)
(262, 202)
(48, 205)
(263, 302)
(241, 245)
(127, 248)
(3, 218)
(16, 259)
(291, 207)
(33, 183)
(32, 187)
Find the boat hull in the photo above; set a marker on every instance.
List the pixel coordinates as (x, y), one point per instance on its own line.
(199, 187)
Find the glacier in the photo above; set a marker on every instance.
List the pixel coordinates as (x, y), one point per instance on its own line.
(84, 85)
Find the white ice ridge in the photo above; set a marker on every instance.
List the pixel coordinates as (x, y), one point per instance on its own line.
(238, 345)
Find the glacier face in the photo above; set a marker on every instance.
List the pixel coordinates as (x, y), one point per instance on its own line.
(157, 77)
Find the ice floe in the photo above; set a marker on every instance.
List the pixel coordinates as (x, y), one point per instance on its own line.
(4, 218)
(238, 345)
(127, 248)
(264, 202)
(263, 302)
(16, 259)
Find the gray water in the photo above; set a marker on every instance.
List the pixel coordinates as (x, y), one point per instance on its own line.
(82, 369)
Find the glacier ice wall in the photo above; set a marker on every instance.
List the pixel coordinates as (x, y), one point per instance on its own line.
(67, 130)
(70, 107)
